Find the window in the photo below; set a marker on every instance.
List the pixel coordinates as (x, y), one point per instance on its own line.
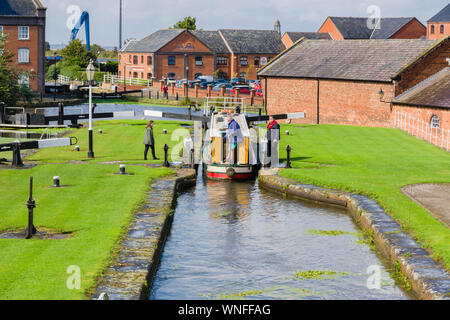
(135, 59)
(171, 75)
(432, 29)
(135, 75)
(243, 75)
(142, 75)
(24, 33)
(24, 55)
(171, 60)
(198, 61)
(142, 59)
(222, 61)
(24, 79)
(244, 61)
(149, 60)
(129, 58)
(256, 61)
(149, 75)
(434, 122)
(442, 28)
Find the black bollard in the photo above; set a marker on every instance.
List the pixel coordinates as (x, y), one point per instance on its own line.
(189, 113)
(56, 183)
(259, 114)
(166, 160)
(149, 94)
(157, 95)
(17, 159)
(31, 204)
(2, 112)
(288, 157)
(176, 98)
(122, 169)
(60, 114)
(238, 109)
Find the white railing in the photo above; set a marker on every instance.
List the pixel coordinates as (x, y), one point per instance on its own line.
(63, 79)
(113, 79)
(223, 103)
(418, 128)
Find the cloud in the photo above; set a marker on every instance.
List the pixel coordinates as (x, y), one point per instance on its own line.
(142, 17)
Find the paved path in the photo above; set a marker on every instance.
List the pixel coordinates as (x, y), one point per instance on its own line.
(435, 198)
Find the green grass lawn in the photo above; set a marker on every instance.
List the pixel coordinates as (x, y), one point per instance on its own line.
(376, 162)
(96, 208)
(121, 140)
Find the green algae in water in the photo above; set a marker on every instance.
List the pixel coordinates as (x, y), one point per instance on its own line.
(318, 274)
(329, 232)
(240, 295)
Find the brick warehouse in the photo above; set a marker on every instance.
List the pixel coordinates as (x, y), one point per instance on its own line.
(23, 22)
(438, 26)
(351, 82)
(350, 28)
(174, 52)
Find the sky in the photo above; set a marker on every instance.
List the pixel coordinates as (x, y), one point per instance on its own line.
(143, 17)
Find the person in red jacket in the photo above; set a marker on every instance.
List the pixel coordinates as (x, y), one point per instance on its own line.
(273, 132)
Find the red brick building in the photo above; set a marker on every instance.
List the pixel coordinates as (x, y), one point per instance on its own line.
(438, 26)
(23, 22)
(289, 38)
(180, 54)
(350, 82)
(350, 28)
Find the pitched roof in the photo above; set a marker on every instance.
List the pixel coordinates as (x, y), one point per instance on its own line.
(253, 41)
(356, 27)
(295, 36)
(366, 60)
(442, 16)
(153, 42)
(19, 7)
(212, 39)
(432, 92)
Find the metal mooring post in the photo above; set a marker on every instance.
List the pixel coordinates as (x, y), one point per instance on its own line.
(192, 158)
(17, 160)
(259, 114)
(190, 113)
(288, 157)
(166, 161)
(31, 204)
(60, 114)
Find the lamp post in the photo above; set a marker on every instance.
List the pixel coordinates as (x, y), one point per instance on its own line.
(55, 77)
(90, 73)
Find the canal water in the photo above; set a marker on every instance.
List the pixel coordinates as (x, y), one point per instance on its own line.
(233, 240)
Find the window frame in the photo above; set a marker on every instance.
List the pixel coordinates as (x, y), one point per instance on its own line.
(135, 60)
(432, 29)
(149, 60)
(242, 59)
(171, 60)
(441, 29)
(171, 73)
(257, 61)
(19, 55)
(19, 33)
(221, 59)
(435, 120)
(198, 61)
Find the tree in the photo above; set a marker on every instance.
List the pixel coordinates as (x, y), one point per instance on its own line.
(186, 23)
(10, 89)
(95, 48)
(75, 53)
(47, 46)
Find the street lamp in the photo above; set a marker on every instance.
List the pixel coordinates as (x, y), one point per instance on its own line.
(90, 73)
(55, 76)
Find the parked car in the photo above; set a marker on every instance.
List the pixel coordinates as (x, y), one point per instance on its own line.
(205, 84)
(242, 89)
(218, 87)
(205, 78)
(238, 81)
(191, 84)
(255, 84)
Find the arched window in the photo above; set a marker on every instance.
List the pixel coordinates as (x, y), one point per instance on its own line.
(434, 123)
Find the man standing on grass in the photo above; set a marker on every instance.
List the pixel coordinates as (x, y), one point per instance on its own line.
(149, 140)
(273, 133)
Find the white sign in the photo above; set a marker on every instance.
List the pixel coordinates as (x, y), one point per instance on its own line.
(296, 115)
(124, 114)
(50, 143)
(152, 113)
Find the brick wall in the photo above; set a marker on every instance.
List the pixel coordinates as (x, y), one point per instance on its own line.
(329, 27)
(428, 66)
(287, 41)
(437, 30)
(425, 114)
(13, 44)
(142, 67)
(412, 30)
(340, 102)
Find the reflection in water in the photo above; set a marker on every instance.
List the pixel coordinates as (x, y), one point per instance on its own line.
(233, 240)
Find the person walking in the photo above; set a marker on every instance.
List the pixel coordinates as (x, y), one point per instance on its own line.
(166, 92)
(149, 140)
